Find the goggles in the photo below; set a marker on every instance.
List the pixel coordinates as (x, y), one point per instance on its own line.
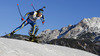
(41, 12)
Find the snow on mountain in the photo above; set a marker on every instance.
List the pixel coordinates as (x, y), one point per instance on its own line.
(86, 25)
(12, 47)
(93, 22)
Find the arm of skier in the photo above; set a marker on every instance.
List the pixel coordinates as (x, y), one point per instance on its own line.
(26, 15)
(43, 19)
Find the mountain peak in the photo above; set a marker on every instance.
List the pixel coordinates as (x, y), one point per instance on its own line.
(86, 25)
(91, 22)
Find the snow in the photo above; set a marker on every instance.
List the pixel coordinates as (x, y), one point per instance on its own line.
(93, 22)
(12, 47)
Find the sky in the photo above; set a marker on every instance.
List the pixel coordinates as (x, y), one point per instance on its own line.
(58, 13)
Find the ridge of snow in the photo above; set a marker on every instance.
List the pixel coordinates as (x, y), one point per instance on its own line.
(12, 47)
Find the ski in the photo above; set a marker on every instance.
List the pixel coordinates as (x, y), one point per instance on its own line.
(7, 35)
(34, 39)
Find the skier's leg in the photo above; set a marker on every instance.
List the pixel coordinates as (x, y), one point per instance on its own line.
(36, 30)
(33, 29)
(18, 28)
(32, 34)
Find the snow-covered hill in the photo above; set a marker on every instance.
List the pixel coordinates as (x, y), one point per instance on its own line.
(12, 47)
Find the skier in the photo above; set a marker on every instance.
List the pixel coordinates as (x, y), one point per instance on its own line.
(31, 19)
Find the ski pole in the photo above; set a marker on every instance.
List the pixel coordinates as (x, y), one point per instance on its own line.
(33, 7)
(20, 12)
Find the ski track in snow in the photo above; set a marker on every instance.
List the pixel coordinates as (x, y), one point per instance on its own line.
(12, 47)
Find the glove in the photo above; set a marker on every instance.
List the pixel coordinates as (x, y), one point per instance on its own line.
(22, 19)
(43, 22)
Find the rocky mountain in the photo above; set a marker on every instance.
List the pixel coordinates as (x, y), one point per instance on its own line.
(88, 28)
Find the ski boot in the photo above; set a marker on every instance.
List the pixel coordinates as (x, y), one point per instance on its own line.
(9, 35)
(31, 38)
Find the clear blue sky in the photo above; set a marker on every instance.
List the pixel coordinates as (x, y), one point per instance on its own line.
(58, 13)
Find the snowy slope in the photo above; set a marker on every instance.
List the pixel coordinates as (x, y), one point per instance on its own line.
(11, 47)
